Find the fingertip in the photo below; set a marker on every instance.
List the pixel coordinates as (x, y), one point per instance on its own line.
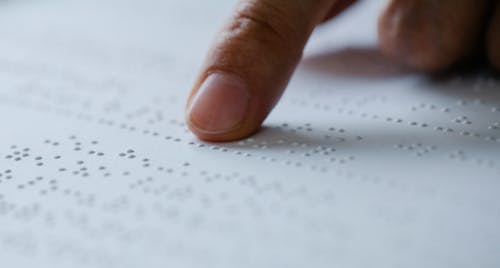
(229, 136)
(220, 109)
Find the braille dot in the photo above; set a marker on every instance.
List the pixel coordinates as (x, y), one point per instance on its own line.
(490, 138)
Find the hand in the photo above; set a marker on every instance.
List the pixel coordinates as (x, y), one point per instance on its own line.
(253, 57)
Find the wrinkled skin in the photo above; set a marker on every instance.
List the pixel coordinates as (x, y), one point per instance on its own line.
(256, 52)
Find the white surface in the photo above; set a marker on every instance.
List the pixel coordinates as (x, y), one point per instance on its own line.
(333, 179)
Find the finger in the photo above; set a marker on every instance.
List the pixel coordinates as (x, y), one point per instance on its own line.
(249, 65)
(493, 39)
(430, 35)
(338, 8)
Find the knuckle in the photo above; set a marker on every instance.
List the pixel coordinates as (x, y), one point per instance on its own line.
(266, 22)
(417, 49)
(419, 35)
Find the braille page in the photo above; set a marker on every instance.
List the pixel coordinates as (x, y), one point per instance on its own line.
(361, 164)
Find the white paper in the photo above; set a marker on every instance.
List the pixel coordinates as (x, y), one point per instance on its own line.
(362, 163)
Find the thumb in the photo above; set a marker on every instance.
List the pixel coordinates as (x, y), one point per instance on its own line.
(249, 66)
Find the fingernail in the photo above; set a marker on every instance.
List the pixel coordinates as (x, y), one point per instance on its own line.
(220, 104)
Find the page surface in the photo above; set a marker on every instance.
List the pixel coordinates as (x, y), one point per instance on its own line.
(361, 164)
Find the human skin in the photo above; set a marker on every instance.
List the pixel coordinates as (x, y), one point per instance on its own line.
(254, 55)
